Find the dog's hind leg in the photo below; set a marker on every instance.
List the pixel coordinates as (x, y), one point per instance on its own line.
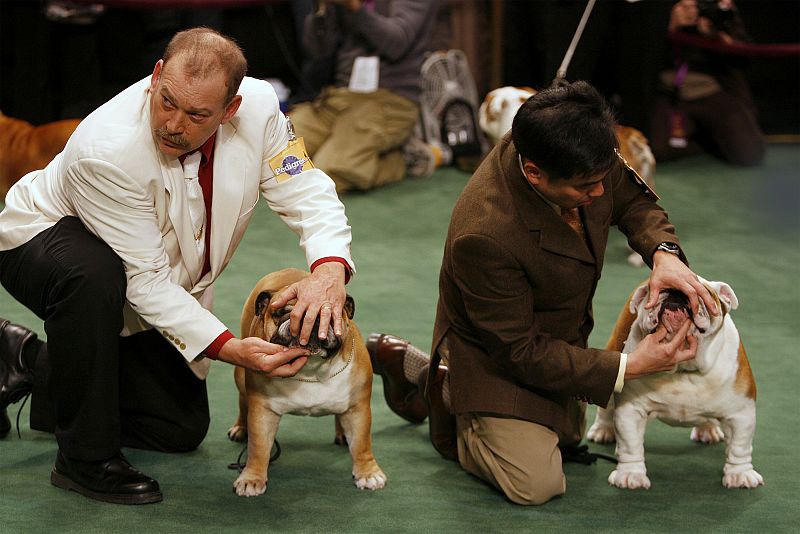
(238, 432)
(339, 438)
(707, 433)
(602, 430)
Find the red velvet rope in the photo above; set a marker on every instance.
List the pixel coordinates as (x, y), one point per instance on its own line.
(180, 4)
(737, 49)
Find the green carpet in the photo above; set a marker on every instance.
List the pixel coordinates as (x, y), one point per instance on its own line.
(741, 226)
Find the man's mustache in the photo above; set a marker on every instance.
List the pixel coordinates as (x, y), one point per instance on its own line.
(175, 139)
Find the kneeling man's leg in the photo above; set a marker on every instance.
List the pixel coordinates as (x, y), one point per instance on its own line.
(518, 457)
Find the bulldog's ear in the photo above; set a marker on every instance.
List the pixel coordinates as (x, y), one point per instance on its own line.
(727, 296)
(638, 296)
(349, 307)
(262, 301)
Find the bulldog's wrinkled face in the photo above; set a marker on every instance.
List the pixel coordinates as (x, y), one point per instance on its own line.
(273, 325)
(672, 309)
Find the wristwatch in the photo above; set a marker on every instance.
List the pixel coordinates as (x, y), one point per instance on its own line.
(672, 248)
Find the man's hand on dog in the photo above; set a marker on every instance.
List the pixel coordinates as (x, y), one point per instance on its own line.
(320, 294)
(654, 354)
(262, 356)
(669, 272)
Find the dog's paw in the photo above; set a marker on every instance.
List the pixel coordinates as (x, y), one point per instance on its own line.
(601, 433)
(249, 486)
(736, 477)
(709, 433)
(629, 478)
(237, 433)
(372, 481)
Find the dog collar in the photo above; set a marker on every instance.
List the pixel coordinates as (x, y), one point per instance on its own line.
(345, 366)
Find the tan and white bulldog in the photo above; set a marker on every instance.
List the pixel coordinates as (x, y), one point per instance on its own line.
(336, 380)
(715, 392)
(25, 147)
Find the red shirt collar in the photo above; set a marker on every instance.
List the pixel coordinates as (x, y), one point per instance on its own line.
(206, 149)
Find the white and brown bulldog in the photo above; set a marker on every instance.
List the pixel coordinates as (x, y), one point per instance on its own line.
(715, 392)
(336, 380)
(25, 147)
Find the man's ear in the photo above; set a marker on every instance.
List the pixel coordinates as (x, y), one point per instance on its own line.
(231, 109)
(156, 74)
(531, 171)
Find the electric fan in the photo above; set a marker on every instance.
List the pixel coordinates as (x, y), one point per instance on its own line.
(449, 104)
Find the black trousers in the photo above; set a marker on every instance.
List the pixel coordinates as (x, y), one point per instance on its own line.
(98, 391)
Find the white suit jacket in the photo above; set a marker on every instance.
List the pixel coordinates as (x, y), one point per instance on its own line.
(112, 176)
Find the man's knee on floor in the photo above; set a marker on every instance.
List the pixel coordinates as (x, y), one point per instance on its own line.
(150, 434)
(537, 488)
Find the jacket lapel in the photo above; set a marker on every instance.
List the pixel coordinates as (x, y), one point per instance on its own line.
(596, 221)
(230, 176)
(555, 235)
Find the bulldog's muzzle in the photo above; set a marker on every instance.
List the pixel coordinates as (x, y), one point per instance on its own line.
(324, 348)
(674, 309)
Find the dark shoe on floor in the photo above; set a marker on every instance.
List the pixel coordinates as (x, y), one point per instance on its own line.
(113, 480)
(16, 380)
(387, 354)
(5, 423)
(441, 423)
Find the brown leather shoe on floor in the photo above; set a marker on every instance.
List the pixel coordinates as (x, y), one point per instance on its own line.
(387, 353)
(441, 423)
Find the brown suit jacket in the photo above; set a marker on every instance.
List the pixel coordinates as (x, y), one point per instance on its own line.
(515, 293)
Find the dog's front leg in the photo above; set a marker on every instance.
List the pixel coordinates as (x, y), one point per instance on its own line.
(738, 470)
(262, 426)
(630, 422)
(356, 423)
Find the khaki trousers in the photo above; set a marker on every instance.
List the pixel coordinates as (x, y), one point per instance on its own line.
(520, 458)
(357, 138)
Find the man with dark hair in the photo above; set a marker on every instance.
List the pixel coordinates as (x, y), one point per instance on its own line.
(522, 259)
(116, 245)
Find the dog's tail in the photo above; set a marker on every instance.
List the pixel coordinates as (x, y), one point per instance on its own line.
(622, 329)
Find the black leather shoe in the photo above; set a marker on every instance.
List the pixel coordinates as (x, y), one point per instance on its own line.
(113, 480)
(5, 424)
(16, 380)
(441, 423)
(387, 353)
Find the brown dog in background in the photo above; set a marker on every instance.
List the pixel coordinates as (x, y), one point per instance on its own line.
(25, 147)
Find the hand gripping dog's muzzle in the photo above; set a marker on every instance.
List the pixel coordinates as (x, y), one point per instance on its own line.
(280, 327)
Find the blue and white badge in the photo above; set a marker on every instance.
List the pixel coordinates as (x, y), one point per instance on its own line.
(291, 161)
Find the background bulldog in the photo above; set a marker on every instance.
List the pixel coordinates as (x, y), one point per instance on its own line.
(496, 114)
(25, 147)
(336, 380)
(715, 391)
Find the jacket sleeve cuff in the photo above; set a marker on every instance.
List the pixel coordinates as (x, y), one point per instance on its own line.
(212, 351)
(623, 363)
(326, 259)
